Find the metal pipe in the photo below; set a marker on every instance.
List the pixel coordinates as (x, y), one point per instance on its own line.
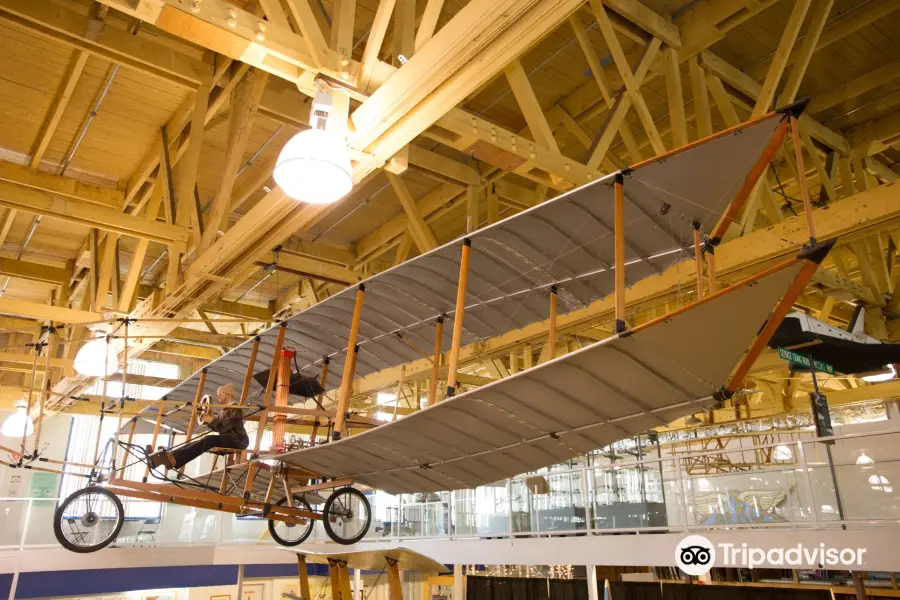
(90, 119)
(259, 151)
(27, 241)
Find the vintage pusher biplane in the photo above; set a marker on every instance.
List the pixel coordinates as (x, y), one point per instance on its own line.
(585, 246)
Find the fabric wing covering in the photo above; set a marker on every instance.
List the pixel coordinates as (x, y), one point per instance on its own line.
(611, 390)
(566, 241)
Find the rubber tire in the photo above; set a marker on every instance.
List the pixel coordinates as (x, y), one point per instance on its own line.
(299, 502)
(58, 515)
(327, 522)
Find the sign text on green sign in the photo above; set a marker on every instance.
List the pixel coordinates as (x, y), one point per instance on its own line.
(804, 361)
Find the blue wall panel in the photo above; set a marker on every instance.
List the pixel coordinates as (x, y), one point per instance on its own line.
(92, 582)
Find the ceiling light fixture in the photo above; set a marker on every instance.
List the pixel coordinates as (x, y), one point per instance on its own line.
(864, 459)
(314, 166)
(888, 373)
(97, 358)
(19, 422)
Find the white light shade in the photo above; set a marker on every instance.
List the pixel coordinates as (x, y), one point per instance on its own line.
(95, 360)
(864, 459)
(782, 453)
(888, 373)
(18, 422)
(314, 166)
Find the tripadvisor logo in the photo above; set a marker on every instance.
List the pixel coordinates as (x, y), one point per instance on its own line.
(696, 555)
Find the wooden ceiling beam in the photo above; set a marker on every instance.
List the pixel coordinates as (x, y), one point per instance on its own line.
(202, 338)
(234, 33)
(804, 55)
(647, 19)
(856, 87)
(60, 185)
(48, 128)
(779, 61)
(309, 267)
(529, 105)
(444, 166)
(375, 40)
(606, 91)
(237, 310)
(632, 85)
(244, 106)
(45, 312)
(495, 32)
(421, 232)
(139, 52)
(876, 135)
(848, 23)
(675, 96)
(32, 271)
(428, 24)
(84, 213)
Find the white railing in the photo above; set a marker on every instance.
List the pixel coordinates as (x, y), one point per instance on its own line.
(797, 488)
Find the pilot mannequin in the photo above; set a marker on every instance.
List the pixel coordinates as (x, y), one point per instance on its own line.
(228, 424)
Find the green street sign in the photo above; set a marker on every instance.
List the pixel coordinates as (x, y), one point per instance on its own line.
(803, 361)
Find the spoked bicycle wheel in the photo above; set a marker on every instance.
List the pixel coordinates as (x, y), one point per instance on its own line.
(88, 520)
(292, 534)
(347, 516)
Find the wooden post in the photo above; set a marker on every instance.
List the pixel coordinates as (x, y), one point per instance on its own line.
(334, 575)
(698, 258)
(322, 378)
(349, 367)
(619, 234)
(192, 424)
(436, 360)
(801, 177)
(551, 340)
(248, 377)
(304, 577)
(43, 398)
(859, 584)
(399, 391)
(458, 316)
(264, 414)
(159, 416)
(115, 447)
(395, 586)
(711, 268)
(346, 594)
(245, 389)
(282, 398)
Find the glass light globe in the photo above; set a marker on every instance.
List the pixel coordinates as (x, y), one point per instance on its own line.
(18, 422)
(314, 166)
(94, 360)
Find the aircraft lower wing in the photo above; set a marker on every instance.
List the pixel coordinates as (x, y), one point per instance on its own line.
(610, 390)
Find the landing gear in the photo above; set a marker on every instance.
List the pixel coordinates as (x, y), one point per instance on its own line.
(88, 520)
(347, 516)
(292, 534)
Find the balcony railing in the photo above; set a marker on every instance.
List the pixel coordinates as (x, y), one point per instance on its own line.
(788, 484)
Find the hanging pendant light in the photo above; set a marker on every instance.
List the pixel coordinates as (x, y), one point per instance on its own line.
(19, 422)
(95, 359)
(314, 166)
